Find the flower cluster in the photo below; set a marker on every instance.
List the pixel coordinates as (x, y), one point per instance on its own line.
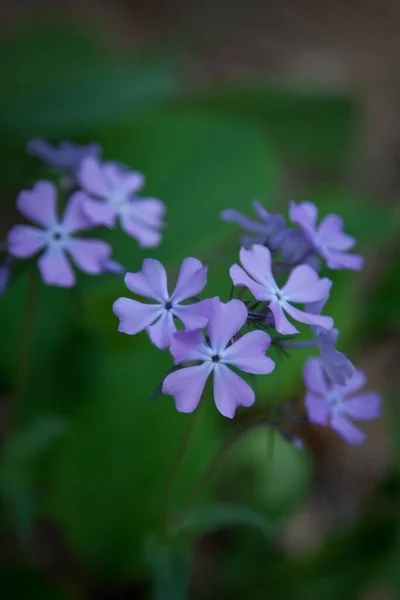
(98, 194)
(278, 271)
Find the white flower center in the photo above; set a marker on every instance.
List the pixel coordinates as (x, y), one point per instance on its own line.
(57, 236)
(118, 200)
(334, 400)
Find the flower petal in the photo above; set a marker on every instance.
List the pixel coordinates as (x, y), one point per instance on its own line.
(225, 321)
(340, 260)
(363, 407)
(317, 409)
(186, 386)
(304, 285)
(194, 316)
(245, 222)
(240, 277)
(150, 282)
(75, 217)
(309, 319)
(122, 179)
(161, 331)
(304, 214)
(191, 281)
(189, 345)
(349, 432)
(248, 353)
(230, 391)
(135, 316)
(146, 236)
(55, 268)
(91, 177)
(257, 262)
(147, 211)
(24, 241)
(282, 323)
(39, 203)
(89, 255)
(330, 232)
(314, 378)
(99, 212)
(354, 384)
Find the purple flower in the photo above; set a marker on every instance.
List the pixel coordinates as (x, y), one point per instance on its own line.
(55, 237)
(115, 189)
(303, 286)
(186, 385)
(328, 239)
(336, 365)
(333, 405)
(67, 158)
(158, 319)
(265, 230)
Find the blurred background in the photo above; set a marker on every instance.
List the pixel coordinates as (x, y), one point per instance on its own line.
(217, 105)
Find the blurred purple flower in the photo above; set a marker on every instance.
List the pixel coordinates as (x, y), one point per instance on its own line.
(328, 239)
(158, 319)
(265, 229)
(336, 365)
(55, 237)
(333, 405)
(115, 189)
(303, 286)
(66, 159)
(186, 385)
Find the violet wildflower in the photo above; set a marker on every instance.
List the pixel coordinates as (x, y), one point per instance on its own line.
(333, 405)
(55, 237)
(115, 190)
(302, 286)
(264, 230)
(336, 365)
(328, 239)
(186, 385)
(66, 159)
(158, 319)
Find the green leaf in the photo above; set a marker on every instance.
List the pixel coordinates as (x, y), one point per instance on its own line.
(28, 444)
(169, 566)
(223, 516)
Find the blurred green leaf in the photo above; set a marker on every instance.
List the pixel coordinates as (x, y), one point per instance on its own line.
(29, 443)
(222, 516)
(169, 567)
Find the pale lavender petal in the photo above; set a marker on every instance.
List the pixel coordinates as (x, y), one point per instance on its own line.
(191, 280)
(39, 204)
(257, 262)
(193, 316)
(147, 211)
(240, 277)
(339, 260)
(363, 407)
(314, 378)
(317, 409)
(308, 318)
(161, 331)
(245, 222)
(353, 385)
(55, 268)
(189, 345)
(122, 179)
(150, 282)
(135, 316)
(349, 432)
(99, 212)
(75, 217)
(146, 236)
(112, 266)
(330, 232)
(304, 214)
(248, 353)
(91, 178)
(24, 241)
(336, 364)
(304, 285)
(282, 323)
(316, 307)
(230, 391)
(186, 386)
(89, 255)
(225, 321)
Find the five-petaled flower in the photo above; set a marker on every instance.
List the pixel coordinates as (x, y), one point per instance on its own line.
(333, 405)
(247, 353)
(55, 237)
(328, 239)
(115, 190)
(303, 285)
(158, 319)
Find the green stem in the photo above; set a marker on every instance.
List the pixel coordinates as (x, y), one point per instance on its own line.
(176, 464)
(27, 330)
